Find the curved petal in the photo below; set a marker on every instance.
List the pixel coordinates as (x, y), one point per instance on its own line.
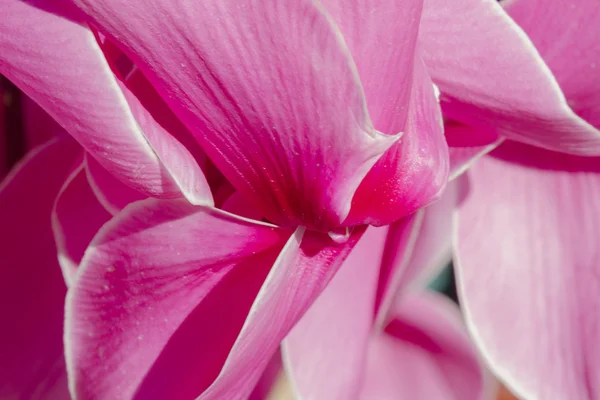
(268, 89)
(414, 171)
(424, 354)
(381, 36)
(467, 144)
(77, 216)
(492, 77)
(32, 290)
(78, 89)
(303, 269)
(417, 248)
(527, 262)
(113, 194)
(149, 272)
(325, 352)
(566, 35)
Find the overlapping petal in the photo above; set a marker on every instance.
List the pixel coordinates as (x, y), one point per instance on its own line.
(32, 290)
(492, 77)
(424, 353)
(325, 353)
(143, 276)
(305, 266)
(77, 216)
(566, 35)
(113, 194)
(527, 269)
(78, 89)
(269, 90)
(414, 171)
(381, 36)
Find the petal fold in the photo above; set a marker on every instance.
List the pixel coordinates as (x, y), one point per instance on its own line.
(149, 272)
(77, 87)
(424, 353)
(268, 89)
(325, 352)
(77, 216)
(527, 260)
(491, 76)
(566, 35)
(414, 171)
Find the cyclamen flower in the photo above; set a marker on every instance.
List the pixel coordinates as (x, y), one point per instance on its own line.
(323, 118)
(376, 333)
(527, 244)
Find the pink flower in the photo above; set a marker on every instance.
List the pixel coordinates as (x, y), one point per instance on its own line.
(375, 333)
(527, 253)
(321, 117)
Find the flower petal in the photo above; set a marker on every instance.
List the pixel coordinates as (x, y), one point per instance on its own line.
(492, 77)
(326, 350)
(78, 89)
(527, 260)
(381, 36)
(77, 216)
(303, 269)
(414, 171)
(151, 270)
(566, 35)
(424, 354)
(467, 144)
(268, 89)
(113, 194)
(32, 290)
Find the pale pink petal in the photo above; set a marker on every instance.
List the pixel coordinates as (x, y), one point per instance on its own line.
(402, 236)
(416, 250)
(381, 36)
(413, 172)
(467, 144)
(424, 353)
(303, 269)
(527, 267)
(268, 89)
(32, 290)
(79, 90)
(566, 35)
(77, 216)
(492, 77)
(113, 194)
(325, 352)
(161, 282)
(268, 379)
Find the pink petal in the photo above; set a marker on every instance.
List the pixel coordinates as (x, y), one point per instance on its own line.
(467, 145)
(566, 35)
(76, 218)
(413, 172)
(113, 194)
(78, 89)
(162, 281)
(492, 77)
(325, 352)
(423, 354)
(32, 289)
(381, 36)
(303, 269)
(527, 267)
(268, 89)
(416, 250)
